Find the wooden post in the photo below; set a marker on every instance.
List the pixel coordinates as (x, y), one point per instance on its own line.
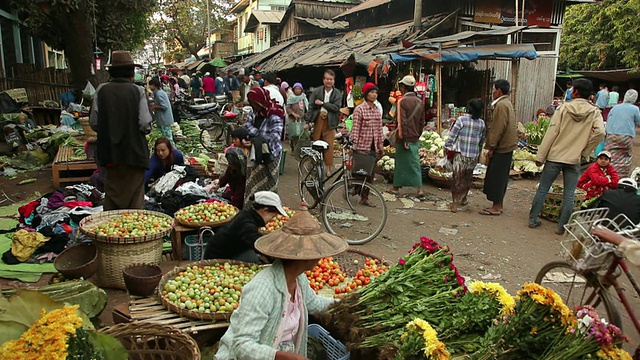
(417, 16)
(515, 69)
(439, 96)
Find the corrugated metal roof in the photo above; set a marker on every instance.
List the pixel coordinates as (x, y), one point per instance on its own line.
(464, 35)
(263, 17)
(258, 58)
(370, 4)
(325, 24)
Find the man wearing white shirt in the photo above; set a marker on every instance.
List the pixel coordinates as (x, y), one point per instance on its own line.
(272, 89)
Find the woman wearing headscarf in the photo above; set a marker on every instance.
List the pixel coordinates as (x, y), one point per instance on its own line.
(297, 106)
(284, 90)
(621, 129)
(264, 124)
(271, 321)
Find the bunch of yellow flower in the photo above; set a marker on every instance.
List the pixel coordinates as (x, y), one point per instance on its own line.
(613, 353)
(548, 297)
(495, 291)
(433, 348)
(47, 338)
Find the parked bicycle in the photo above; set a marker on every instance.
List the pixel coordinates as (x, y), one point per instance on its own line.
(593, 267)
(341, 209)
(216, 131)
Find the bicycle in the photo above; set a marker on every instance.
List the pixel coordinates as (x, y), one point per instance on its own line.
(341, 208)
(593, 267)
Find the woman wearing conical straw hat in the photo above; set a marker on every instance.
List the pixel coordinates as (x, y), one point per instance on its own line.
(271, 321)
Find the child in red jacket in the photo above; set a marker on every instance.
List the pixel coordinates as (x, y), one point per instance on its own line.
(598, 177)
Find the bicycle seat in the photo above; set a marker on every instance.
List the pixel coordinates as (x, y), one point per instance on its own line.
(205, 106)
(320, 145)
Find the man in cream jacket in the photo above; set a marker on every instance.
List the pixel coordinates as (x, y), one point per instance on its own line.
(576, 129)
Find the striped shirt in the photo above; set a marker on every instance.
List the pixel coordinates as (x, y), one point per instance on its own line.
(467, 136)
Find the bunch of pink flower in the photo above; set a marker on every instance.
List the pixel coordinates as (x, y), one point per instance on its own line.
(590, 324)
(431, 246)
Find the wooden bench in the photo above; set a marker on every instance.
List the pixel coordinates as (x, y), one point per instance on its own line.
(68, 167)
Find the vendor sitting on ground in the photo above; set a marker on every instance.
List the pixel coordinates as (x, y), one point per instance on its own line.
(623, 200)
(271, 321)
(235, 240)
(236, 173)
(599, 176)
(163, 158)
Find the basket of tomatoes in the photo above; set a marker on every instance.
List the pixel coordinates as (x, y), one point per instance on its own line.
(277, 222)
(345, 272)
(211, 213)
(207, 289)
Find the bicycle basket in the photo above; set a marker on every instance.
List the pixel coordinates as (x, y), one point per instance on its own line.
(583, 250)
(196, 244)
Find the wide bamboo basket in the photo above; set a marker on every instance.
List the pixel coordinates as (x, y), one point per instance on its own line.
(116, 253)
(147, 340)
(218, 316)
(442, 181)
(347, 261)
(197, 224)
(84, 122)
(91, 222)
(553, 203)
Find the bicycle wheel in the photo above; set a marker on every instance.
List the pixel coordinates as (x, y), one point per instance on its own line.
(212, 136)
(344, 214)
(578, 289)
(309, 182)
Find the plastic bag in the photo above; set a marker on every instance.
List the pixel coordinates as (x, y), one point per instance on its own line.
(444, 164)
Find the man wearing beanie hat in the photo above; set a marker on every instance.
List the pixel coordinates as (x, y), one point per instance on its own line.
(120, 115)
(407, 172)
(324, 110)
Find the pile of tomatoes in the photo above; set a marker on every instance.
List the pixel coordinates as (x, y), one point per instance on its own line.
(214, 211)
(133, 223)
(328, 273)
(278, 221)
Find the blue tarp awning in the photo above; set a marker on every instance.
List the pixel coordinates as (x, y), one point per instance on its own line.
(469, 54)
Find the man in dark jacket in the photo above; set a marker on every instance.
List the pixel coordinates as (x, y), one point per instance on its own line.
(235, 240)
(120, 115)
(324, 111)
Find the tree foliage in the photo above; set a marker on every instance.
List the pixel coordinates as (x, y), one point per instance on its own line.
(185, 21)
(69, 25)
(601, 36)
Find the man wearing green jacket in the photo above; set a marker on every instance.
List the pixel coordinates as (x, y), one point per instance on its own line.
(576, 129)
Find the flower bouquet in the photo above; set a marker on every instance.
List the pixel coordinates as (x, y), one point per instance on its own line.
(420, 341)
(36, 327)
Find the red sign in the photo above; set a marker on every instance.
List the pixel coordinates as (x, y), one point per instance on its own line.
(98, 64)
(536, 12)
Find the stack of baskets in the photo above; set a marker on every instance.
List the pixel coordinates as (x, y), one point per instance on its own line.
(553, 202)
(116, 253)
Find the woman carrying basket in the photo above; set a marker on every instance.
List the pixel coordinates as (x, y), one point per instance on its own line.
(271, 321)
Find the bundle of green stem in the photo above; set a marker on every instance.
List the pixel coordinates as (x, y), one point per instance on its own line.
(425, 285)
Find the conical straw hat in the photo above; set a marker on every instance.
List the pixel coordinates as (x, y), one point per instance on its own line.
(301, 238)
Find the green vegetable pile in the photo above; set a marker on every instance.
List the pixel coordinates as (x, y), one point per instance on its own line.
(535, 130)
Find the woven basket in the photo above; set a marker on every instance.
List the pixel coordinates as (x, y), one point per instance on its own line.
(442, 181)
(147, 340)
(84, 122)
(553, 203)
(190, 313)
(90, 222)
(347, 264)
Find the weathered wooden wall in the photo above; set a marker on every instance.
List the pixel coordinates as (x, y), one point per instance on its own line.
(309, 9)
(536, 81)
(40, 84)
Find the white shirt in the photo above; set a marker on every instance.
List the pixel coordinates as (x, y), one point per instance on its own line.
(327, 98)
(274, 93)
(493, 104)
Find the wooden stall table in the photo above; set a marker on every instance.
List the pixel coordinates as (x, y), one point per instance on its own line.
(68, 167)
(177, 234)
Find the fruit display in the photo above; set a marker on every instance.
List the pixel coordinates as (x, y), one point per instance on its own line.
(131, 224)
(208, 289)
(328, 274)
(277, 222)
(206, 212)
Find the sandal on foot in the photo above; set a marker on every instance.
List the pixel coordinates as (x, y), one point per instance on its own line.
(489, 212)
(367, 203)
(394, 192)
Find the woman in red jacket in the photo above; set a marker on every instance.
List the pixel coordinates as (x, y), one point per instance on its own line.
(598, 177)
